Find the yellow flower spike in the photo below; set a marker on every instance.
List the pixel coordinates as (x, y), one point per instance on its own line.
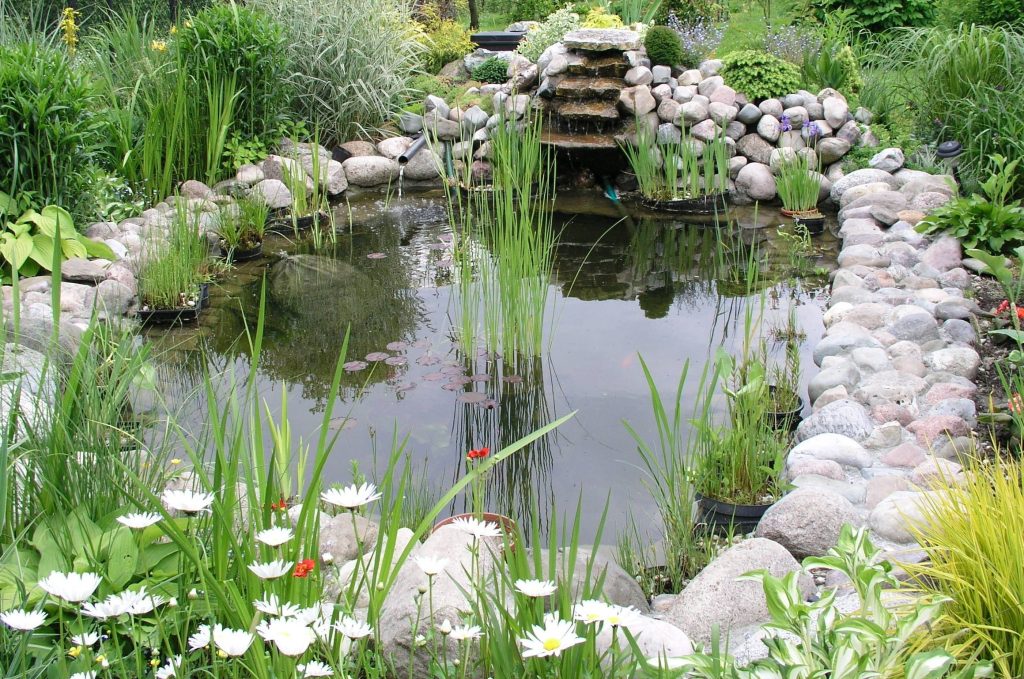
(69, 27)
(158, 46)
(174, 30)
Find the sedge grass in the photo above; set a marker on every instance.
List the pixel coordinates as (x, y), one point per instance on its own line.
(687, 168)
(171, 270)
(798, 188)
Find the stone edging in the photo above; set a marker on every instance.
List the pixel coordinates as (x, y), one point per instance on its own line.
(893, 401)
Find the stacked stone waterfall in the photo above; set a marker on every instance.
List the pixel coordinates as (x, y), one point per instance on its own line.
(584, 79)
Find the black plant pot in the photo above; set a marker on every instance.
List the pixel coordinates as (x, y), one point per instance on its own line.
(181, 316)
(283, 223)
(814, 224)
(243, 255)
(709, 204)
(719, 515)
(783, 420)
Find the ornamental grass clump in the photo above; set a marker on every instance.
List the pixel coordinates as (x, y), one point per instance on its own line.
(685, 169)
(798, 186)
(172, 269)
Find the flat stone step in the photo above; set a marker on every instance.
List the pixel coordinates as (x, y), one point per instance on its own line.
(604, 89)
(588, 111)
(602, 40)
(598, 66)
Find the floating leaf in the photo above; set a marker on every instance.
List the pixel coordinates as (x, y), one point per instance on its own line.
(481, 377)
(376, 255)
(452, 386)
(342, 423)
(472, 397)
(489, 403)
(375, 356)
(512, 379)
(355, 366)
(427, 359)
(408, 386)
(453, 370)
(397, 346)
(434, 377)
(396, 360)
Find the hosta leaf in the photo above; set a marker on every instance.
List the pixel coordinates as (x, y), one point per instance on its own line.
(42, 253)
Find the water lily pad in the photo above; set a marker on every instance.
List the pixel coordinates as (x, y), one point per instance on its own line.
(434, 377)
(342, 423)
(355, 366)
(472, 397)
(453, 370)
(512, 379)
(376, 255)
(396, 360)
(489, 404)
(480, 378)
(452, 386)
(428, 359)
(375, 356)
(397, 346)
(408, 386)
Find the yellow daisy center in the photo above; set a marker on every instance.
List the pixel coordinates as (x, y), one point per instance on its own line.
(552, 644)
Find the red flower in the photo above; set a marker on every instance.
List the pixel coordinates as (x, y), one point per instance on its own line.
(303, 568)
(1003, 307)
(279, 506)
(1016, 404)
(478, 454)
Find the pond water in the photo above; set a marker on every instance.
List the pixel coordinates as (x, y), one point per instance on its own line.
(624, 287)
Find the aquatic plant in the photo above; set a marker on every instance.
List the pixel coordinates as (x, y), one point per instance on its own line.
(171, 270)
(798, 186)
(688, 168)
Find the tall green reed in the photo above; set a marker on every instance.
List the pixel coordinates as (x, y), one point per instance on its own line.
(172, 269)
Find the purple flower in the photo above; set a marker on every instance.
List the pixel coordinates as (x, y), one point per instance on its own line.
(791, 43)
(786, 125)
(699, 37)
(811, 132)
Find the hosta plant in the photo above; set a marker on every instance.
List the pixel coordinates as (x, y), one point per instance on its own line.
(27, 242)
(816, 639)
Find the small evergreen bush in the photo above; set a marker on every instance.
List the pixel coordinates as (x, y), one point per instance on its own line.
(598, 17)
(760, 75)
(493, 70)
(663, 46)
(445, 40)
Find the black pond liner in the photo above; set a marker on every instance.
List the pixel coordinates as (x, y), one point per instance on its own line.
(246, 255)
(719, 515)
(281, 222)
(785, 420)
(709, 204)
(182, 316)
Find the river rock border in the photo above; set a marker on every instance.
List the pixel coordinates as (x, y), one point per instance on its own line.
(892, 403)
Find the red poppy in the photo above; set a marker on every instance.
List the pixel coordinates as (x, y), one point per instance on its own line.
(303, 568)
(279, 506)
(478, 454)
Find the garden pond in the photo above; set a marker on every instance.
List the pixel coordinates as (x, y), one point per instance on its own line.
(626, 285)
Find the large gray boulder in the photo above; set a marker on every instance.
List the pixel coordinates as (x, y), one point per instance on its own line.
(718, 598)
(618, 586)
(807, 521)
(756, 181)
(273, 192)
(406, 612)
(369, 171)
(29, 390)
(844, 417)
(858, 177)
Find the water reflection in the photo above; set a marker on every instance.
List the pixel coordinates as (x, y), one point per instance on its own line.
(621, 287)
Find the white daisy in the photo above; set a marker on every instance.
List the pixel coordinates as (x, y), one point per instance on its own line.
(139, 521)
(430, 565)
(270, 571)
(85, 639)
(478, 528)
(464, 632)
(307, 616)
(187, 501)
(535, 588)
(71, 587)
(271, 605)
(201, 639)
(352, 628)
(550, 639)
(21, 620)
(590, 611)
(145, 604)
(352, 496)
(445, 627)
(314, 668)
(170, 669)
(83, 675)
(289, 635)
(276, 536)
(233, 642)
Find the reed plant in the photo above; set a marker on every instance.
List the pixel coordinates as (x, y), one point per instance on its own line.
(798, 187)
(678, 170)
(172, 269)
(974, 562)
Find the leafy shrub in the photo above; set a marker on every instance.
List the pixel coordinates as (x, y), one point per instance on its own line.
(823, 641)
(548, 33)
(698, 38)
(692, 11)
(598, 17)
(492, 70)
(954, 12)
(663, 46)
(760, 75)
(351, 66)
(445, 40)
(49, 130)
(989, 221)
(27, 242)
(877, 15)
(523, 10)
(832, 66)
(228, 39)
